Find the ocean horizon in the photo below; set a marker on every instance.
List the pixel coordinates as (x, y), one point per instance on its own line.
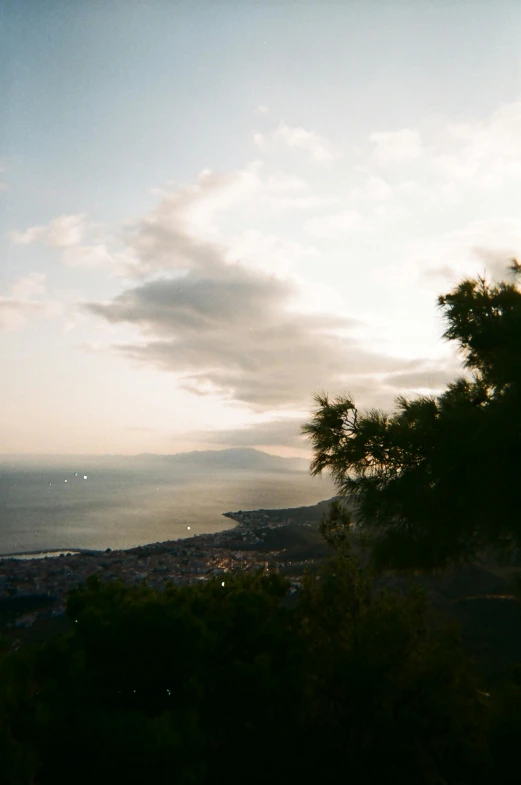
(94, 503)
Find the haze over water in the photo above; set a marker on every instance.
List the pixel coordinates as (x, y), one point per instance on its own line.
(125, 503)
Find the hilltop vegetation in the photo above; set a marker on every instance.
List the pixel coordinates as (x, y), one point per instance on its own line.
(189, 684)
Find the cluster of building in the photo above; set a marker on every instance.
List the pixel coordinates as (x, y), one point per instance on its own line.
(178, 561)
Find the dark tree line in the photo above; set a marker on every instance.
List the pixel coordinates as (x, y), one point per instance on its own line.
(234, 684)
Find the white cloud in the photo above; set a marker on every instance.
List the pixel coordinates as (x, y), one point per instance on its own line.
(261, 109)
(397, 147)
(331, 226)
(95, 347)
(217, 218)
(260, 140)
(28, 287)
(485, 153)
(63, 232)
(29, 236)
(66, 231)
(268, 253)
(373, 189)
(316, 147)
(480, 246)
(22, 302)
(15, 313)
(88, 256)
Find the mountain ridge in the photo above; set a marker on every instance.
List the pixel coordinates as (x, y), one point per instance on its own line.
(236, 457)
(246, 458)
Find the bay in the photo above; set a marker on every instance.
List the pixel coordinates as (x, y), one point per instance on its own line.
(106, 502)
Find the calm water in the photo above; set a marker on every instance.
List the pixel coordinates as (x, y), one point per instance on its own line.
(124, 505)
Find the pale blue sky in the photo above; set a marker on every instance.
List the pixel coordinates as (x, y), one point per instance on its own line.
(354, 148)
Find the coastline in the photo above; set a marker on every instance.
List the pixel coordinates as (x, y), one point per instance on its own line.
(247, 521)
(34, 588)
(33, 591)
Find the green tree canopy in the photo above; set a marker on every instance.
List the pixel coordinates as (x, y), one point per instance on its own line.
(437, 482)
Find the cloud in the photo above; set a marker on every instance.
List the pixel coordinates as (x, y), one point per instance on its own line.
(15, 313)
(487, 152)
(94, 347)
(29, 236)
(88, 256)
(67, 233)
(269, 252)
(20, 305)
(261, 109)
(478, 247)
(337, 224)
(282, 432)
(397, 147)
(435, 379)
(316, 147)
(227, 330)
(63, 232)
(29, 286)
(226, 322)
(374, 189)
(184, 230)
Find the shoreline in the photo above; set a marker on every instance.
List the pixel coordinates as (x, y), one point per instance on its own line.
(246, 520)
(33, 591)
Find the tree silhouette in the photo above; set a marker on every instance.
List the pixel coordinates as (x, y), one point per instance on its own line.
(437, 482)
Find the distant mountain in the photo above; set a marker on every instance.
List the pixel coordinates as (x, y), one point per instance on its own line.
(245, 458)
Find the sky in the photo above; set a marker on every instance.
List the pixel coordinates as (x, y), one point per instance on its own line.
(211, 211)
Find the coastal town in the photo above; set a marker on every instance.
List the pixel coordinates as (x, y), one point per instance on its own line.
(45, 582)
(33, 591)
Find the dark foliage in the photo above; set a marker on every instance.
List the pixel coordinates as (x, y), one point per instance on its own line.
(437, 482)
(228, 684)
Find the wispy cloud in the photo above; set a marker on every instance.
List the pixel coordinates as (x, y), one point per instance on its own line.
(337, 224)
(29, 286)
(478, 247)
(485, 153)
(24, 301)
(93, 256)
(316, 147)
(15, 313)
(373, 189)
(280, 432)
(62, 232)
(67, 233)
(396, 147)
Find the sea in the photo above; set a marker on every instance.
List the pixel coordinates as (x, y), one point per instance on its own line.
(98, 503)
